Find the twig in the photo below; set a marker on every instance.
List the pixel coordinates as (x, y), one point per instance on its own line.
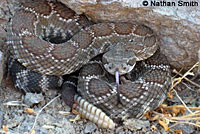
(179, 120)
(179, 106)
(190, 123)
(14, 103)
(42, 110)
(176, 74)
(182, 102)
(63, 113)
(197, 85)
(176, 81)
(190, 88)
(195, 65)
(184, 119)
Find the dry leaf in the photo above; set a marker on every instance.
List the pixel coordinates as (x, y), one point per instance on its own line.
(156, 117)
(30, 111)
(147, 115)
(179, 131)
(170, 95)
(164, 124)
(75, 112)
(5, 128)
(183, 110)
(175, 111)
(75, 119)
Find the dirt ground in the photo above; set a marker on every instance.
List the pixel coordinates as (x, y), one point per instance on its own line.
(54, 119)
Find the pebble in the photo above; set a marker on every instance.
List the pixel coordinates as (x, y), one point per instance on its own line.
(136, 124)
(33, 98)
(67, 108)
(67, 128)
(89, 128)
(186, 128)
(119, 130)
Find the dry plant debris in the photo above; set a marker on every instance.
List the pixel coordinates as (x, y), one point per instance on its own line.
(5, 128)
(170, 116)
(30, 111)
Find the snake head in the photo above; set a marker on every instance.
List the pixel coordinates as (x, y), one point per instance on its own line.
(119, 59)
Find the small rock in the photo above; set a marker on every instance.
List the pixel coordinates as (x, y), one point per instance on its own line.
(136, 124)
(186, 129)
(119, 130)
(33, 98)
(13, 120)
(67, 109)
(67, 128)
(90, 127)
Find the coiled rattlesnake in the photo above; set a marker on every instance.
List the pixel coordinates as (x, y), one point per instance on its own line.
(51, 40)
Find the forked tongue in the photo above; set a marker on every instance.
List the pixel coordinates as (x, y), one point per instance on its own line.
(117, 82)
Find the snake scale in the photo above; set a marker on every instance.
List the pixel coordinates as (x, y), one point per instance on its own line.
(47, 40)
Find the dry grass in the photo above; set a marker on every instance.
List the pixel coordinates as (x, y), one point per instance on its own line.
(169, 116)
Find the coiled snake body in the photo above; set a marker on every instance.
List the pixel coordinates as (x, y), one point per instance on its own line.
(51, 40)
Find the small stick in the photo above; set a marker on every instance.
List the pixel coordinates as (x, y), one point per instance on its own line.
(176, 120)
(190, 123)
(179, 106)
(187, 73)
(179, 80)
(183, 102)
(197, 85)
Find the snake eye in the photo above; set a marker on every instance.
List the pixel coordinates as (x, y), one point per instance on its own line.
(109, 67)
(131, 40)
(124, 68)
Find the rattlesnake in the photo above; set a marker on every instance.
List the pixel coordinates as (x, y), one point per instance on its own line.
(51, 40)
